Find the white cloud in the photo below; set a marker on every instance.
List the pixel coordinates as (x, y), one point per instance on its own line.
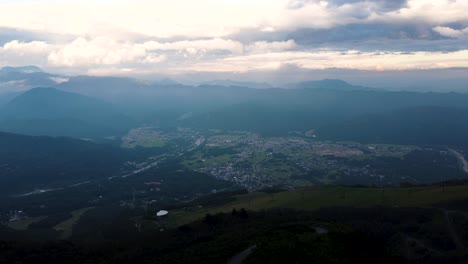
(129, 36)
(105, 51)
(196, 46)
(154, 59)
(208, 18)
(265, 47)
(450, 32)
(98, 51)
(333, 59)
(436, 12)
(104, 55)
(16, 53)
(155, 18)
(59, 79)
(36, 47)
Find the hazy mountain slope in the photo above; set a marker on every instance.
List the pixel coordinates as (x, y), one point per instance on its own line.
(333, 84)
(6, 98)
(228, 83)
(17, 79)
(417, 125)
(22, 69)
(282, 111)
(47, 111)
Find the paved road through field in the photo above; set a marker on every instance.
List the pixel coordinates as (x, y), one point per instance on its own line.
(461, 159)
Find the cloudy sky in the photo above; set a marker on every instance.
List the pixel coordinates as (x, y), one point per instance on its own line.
(187, 37)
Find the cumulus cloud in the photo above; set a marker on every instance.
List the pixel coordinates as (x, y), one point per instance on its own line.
(98, 51)
(275, 46)
(450, 32)
(19, 53)
(134, 36)
(37, 47)
(196, 18)
(105, 51)
(352, 59)
(200, 47)
(196, 46)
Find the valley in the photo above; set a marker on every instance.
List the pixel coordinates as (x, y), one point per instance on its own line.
(239, 132)
(193, 166)
(192, 173)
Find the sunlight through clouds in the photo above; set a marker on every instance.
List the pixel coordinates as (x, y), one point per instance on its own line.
(228, 35)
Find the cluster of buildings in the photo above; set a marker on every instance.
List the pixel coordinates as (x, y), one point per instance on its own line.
(245, 177)
(255, 157)
(13, 216)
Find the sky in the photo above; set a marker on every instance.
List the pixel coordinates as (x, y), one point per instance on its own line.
(234, 37)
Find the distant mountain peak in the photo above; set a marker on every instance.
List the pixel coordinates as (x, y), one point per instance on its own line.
(332, 84)
(36, 97)
(166, 81)
(326, 82)
(49, 111)
(334, 81)
(43, 90)
(229, 82)
(21, 69)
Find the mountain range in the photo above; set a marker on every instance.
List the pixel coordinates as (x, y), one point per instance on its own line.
(96, 107)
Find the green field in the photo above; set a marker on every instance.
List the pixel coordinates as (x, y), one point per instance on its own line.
(147, 143)
(24, 224)
(313, 198)
(198, 159)
(66, 227)
(145, 138)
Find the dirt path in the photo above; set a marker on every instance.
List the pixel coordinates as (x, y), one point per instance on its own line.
(239, 258)
(456, 239)
(420, 243)
(452, 232)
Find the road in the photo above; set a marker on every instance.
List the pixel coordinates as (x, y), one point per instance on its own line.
(455, 237)
(461, 159)
(239, 258)
(453, 233)
(153, 164)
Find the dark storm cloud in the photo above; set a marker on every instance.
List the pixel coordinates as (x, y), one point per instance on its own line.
(360, 32)
(399, 37)
(364, 33)
(404, 37)
(379, 5)
(382, 5)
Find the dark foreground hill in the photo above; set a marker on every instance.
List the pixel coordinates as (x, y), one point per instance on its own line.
(28, 163)
(327, 225)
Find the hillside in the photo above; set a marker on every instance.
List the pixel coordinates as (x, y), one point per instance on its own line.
(416, 125)
(315, 198)
(47, 111)
(28, 163)
(331, 224)
(333, 112)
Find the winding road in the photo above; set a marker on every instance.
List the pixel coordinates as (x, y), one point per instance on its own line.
(461, 159)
